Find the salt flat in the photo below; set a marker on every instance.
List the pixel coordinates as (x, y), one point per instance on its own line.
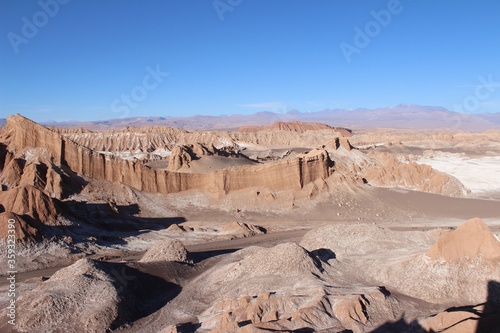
(480, 175)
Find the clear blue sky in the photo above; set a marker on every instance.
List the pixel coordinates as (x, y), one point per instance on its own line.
(264, 55)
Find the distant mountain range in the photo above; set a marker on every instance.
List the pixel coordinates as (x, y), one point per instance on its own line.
(397, 117)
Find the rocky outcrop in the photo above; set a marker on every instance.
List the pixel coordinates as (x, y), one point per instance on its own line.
(454, 321)
(469, 241)
(152, 139)
(30, 202)
(289, 174)
(30, 183)
(285, 289)
(182, 156)
(179, 158)
(401, 261)
(356, 312)
(59, 304)
(241, 230)
(294, 126)
(292, 173)
(166, 250)
(88, 296)
(46, 177)
(341, 142)
(23, 231)
(269, 313)
(388, 171)
(158, 142)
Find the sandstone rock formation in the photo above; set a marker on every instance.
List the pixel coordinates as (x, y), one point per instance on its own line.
(24, 232)
(182, 156)
(31, 202)
(469, 241)
(240, 229)
(166, 250)
(389, 172)
(294, 172)
(158, 142)
(400, 262)
(176, 228)
(282, 289)
(357, 312)
(153, 140)
(453, 322)
(294, 126)
(342, 142)
(288, 174)
(46, 177)
(30, 184)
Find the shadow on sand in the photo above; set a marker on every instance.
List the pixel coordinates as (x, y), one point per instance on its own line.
(141, 293)
(486, 315)
(107, 222)
(489, 322)
(198, 257)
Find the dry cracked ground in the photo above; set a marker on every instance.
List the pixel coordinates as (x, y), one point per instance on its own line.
(291, 227)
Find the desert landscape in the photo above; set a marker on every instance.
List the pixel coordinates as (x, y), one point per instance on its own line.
(249, 166)
(287, 226)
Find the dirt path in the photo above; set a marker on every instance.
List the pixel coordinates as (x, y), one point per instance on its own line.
(267, 240)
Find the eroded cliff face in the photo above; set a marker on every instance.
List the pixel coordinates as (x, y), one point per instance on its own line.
(388, 171)
(61, 153)
(21, 133)
(23, 231)
(160, 141)
(288, 174)
(294, 126)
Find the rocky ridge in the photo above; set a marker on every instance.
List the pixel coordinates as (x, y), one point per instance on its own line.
(41, 167)
(89, 163)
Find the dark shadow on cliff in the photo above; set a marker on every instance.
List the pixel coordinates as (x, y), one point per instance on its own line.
(3, 155)
(71, 183)
(112, 217)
